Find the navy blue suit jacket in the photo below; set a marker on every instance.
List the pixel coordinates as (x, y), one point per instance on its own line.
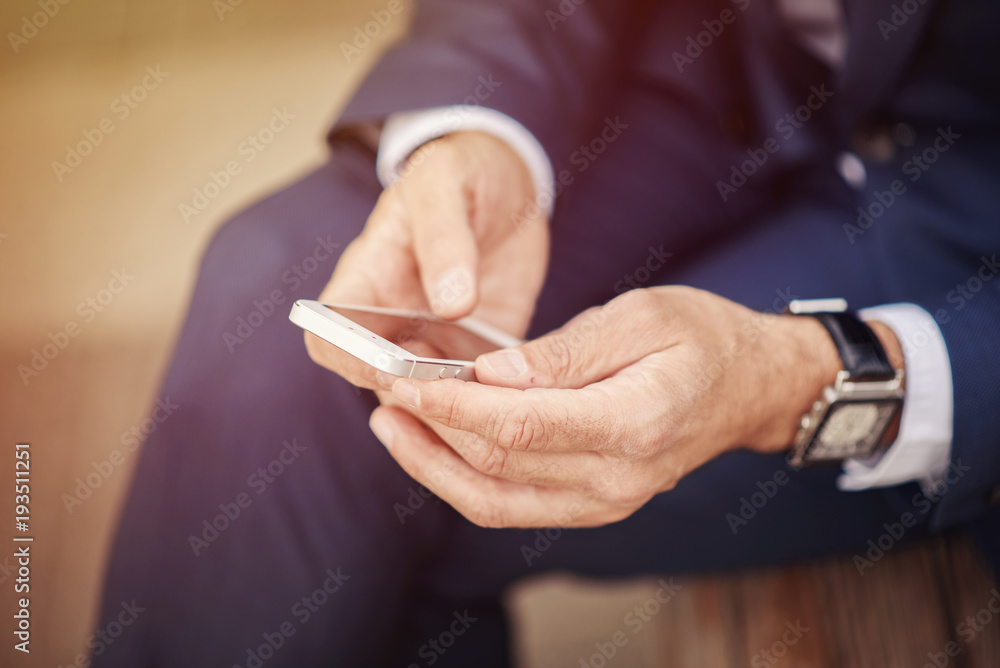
(937, 67)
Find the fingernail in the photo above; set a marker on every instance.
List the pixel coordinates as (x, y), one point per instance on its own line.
(383, 431)
(505, 363)
(452, 288)
(406, 392)
(385, 379)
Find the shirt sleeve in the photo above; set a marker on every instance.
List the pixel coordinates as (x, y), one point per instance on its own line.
(404, 132)
(922, 449)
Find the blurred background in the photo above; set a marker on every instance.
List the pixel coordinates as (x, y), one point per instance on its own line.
(97, 260)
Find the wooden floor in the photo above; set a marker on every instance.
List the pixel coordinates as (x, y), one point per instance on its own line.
(902, 613)
(62, 235)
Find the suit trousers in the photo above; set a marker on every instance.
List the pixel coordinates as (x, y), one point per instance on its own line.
(266, 526)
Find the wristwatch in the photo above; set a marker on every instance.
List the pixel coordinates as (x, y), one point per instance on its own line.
(852, 415)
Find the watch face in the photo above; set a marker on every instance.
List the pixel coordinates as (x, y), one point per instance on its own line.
(851, 428)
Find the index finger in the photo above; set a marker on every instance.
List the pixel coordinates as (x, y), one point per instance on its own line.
(374, 270)
(483, 499)
(537, 419)
(443, 242)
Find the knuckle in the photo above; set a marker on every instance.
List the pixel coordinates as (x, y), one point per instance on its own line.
(590, 313)
(643, 301)
(492, 460)
(669, 483)
(625, 489)
(637, 298)
(640, 428)
(669, 477)
(622, 430)
(519, 428)
(653, 311)
(670, 430)
(642, 442)
(629, 497)
(449, 411)
(487, 515)
(558, 354)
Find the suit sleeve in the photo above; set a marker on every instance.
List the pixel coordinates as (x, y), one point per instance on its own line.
(973, 340)
(950, 233)
(546, 67)
(938, 246)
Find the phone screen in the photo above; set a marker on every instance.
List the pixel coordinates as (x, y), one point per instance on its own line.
(421, 336)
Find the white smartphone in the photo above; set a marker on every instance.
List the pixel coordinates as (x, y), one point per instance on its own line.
(400, 342)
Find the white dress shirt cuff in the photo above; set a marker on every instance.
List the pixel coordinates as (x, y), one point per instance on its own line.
(405, 132)
(922, 449)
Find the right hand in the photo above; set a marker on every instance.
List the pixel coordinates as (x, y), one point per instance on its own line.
(450, 236)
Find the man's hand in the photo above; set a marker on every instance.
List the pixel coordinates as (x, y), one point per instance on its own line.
(450, 237)
(584, 425)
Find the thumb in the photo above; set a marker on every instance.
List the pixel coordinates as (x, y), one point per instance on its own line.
(444, 246)
(589, 348)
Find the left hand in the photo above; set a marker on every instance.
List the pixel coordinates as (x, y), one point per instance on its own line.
(582, 427)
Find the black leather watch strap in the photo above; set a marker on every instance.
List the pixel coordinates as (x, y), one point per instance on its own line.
(862, 353)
